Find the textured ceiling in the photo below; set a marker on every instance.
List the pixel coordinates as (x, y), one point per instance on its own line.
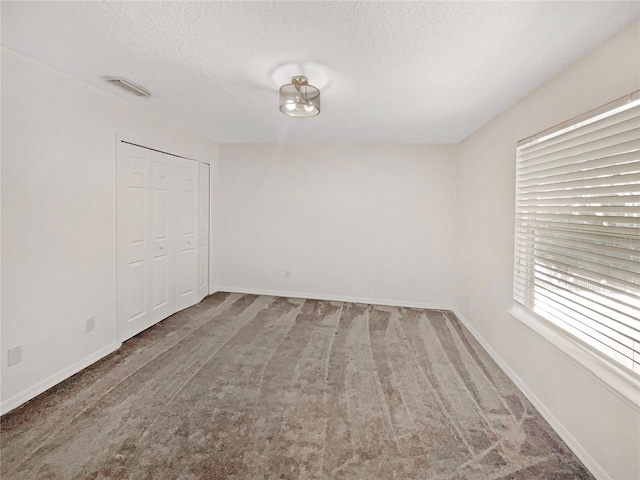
(393, 72)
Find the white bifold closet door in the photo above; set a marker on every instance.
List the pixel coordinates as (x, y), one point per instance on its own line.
(186, 209)
(160, 238)
(203, 231)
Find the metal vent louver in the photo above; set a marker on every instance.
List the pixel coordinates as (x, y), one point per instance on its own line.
(129, 86)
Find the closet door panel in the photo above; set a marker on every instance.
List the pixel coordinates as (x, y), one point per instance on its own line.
(203, 231)
(187, 239)
(133, 204)
(160, 283)
(136, 304)
(162, 271)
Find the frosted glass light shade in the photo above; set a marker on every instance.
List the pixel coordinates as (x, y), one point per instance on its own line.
(299, 99)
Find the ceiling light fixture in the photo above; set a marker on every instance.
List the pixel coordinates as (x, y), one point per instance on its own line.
(299, 99)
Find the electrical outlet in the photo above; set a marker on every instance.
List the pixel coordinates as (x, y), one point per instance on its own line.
(90, 324)
(287, 274)
(14, 355)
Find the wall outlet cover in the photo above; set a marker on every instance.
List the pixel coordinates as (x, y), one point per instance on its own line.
(90, 324)
(14, 355)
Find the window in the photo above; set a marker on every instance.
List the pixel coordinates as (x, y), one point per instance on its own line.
(577, 241)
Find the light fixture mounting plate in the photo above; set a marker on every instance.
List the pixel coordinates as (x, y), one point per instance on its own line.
(299, 80)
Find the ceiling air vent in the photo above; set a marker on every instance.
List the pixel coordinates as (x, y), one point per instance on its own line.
(129, 86)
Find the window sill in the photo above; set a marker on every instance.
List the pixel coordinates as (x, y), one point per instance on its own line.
(616, 379)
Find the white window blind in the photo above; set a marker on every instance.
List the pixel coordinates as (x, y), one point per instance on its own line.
(577, 243)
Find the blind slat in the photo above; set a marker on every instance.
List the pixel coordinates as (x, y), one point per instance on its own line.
(566, 323)
(584, 219)
(619, 322)
(627, 262)
(603, 170)
(611, 295)
(627, 210)
(604, 147)
(630, 266)
(596, 129)
(630, 181)
(568, 165)
(579, 201)
(626, 231)
(602, 244)
(587, 191)
(584, 317)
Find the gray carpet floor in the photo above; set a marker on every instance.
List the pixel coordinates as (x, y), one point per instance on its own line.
(259, 387)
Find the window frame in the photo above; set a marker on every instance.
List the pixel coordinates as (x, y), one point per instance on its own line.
(617, 378)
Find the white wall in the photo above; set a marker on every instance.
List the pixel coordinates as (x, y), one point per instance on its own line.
(58, 218)
(605, 429)
(372, 223)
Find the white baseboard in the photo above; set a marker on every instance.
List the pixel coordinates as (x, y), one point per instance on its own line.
(588, 461)
(334, 298)
(56, 378)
